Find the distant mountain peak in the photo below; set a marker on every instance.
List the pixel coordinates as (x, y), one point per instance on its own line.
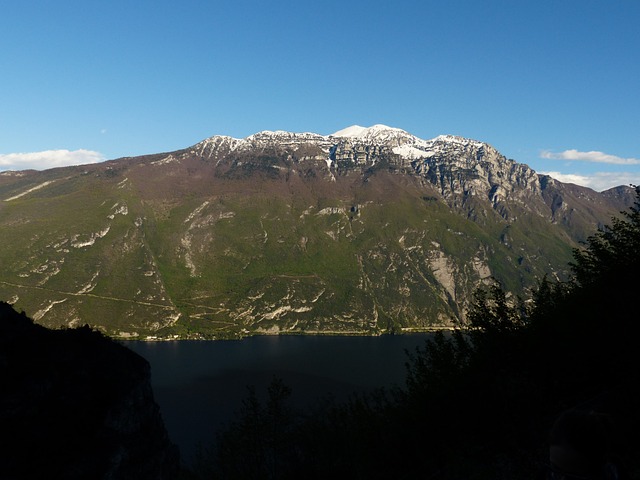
(398, 141)
(356, 131)
(352, 131)
(378, 133)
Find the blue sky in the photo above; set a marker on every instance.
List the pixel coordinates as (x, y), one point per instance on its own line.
(553, 84)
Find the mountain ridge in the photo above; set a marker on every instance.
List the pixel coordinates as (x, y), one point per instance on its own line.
(368, 231)
(375, 134)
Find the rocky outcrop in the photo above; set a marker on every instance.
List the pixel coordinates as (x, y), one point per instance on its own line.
(76, 405)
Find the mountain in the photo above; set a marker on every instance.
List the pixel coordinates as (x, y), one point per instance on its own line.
(365, 231)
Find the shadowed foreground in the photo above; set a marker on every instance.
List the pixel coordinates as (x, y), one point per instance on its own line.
(76, 405)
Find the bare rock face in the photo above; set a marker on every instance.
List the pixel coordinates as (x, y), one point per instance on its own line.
(76, 405)
(461, 168)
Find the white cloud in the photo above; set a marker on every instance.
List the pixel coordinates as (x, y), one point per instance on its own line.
(48, 159)
(592, 156)
(598, 181)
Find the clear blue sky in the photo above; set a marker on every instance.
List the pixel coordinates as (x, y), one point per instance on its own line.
(554, 84)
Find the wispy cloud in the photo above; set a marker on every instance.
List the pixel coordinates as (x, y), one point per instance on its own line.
(48, 159)
(592, 156)
(598, 181)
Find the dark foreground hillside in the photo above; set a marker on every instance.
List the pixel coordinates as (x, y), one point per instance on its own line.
(76, 405)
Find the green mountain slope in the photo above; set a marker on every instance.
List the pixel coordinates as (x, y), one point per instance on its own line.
(284, 233)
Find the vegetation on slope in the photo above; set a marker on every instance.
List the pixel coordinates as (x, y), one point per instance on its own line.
(183, 245)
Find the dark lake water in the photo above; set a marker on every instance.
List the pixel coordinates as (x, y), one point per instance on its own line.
(199, 385)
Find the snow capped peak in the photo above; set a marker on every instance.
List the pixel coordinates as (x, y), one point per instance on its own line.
(352, 131)
(393, 137)
(397, 140)
(356, 131)
(381, 128)
(375, 133)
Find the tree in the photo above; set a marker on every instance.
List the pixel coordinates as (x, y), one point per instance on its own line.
(259, 444)
(612, 250)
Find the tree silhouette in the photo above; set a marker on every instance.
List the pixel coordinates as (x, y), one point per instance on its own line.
(612, 250)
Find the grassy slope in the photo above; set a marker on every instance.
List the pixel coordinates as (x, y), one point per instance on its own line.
(253, 249)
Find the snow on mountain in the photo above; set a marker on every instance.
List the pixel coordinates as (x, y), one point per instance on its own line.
(399, 141)
(410, 152)
(377, 133)
(457, 140)
(402, 143)
(352, 131)
(356, 131)
(282, 136)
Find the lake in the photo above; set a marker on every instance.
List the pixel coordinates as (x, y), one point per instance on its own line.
(199, 385)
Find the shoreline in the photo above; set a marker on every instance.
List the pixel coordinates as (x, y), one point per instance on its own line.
(323, 333)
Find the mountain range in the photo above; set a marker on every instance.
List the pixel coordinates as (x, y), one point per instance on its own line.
(365, 231)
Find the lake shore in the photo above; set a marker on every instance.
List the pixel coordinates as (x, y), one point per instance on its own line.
(307, 333)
